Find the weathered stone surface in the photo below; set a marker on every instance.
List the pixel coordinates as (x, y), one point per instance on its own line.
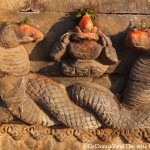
(16, 137)
(105, 6)
(102, 6)
(13, 5)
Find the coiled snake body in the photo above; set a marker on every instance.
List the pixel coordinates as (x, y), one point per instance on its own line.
(24, 93)
(133, 111)
(20, 90)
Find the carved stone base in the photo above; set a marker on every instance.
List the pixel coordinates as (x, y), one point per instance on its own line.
(15, 136)
(83, 68)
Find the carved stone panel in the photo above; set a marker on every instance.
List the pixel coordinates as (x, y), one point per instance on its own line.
(87, 83)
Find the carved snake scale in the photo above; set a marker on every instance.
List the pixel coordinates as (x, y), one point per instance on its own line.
(26, 94)
(20, 91)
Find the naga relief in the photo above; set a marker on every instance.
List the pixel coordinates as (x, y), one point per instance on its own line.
(36, 99)
(132, 111)
(23, 93)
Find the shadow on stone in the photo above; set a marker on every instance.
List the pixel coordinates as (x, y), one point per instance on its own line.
(42, 49)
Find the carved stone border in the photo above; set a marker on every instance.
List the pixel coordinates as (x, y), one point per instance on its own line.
(17, 131)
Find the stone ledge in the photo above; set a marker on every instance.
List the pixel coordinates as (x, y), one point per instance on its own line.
(61, 134)
(102, 6)
(24, 137)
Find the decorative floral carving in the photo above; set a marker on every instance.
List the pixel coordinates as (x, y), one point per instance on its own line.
(86, 136)
(131, 135)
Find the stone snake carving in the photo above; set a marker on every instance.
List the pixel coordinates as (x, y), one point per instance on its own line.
(53, 97)
(111, 112)
(22, 93)
(133, 110)
(36, 99)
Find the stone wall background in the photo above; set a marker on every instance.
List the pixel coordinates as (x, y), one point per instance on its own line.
(55, 17)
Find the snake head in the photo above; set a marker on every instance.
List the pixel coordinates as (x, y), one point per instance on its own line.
(139, 40)
(12, 35)
(29, 34)
(139, 37)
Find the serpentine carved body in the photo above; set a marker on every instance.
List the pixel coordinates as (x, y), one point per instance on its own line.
(25, 95)
(133, 110)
